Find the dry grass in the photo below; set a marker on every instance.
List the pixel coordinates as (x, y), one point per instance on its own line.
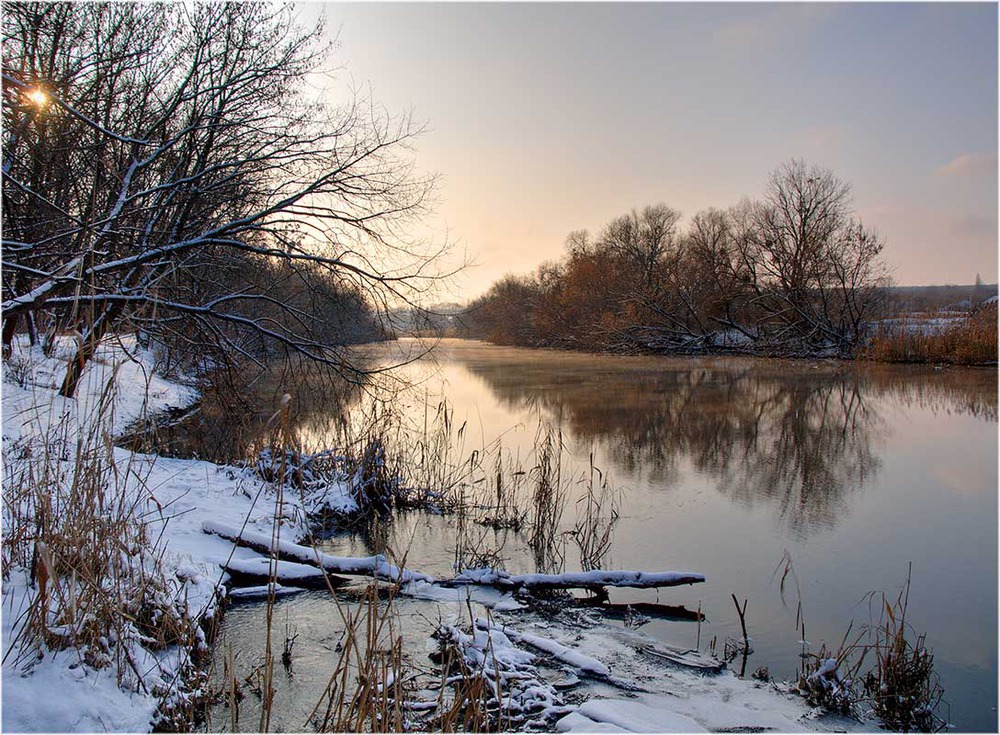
(367, 688)
(972, 341)
(899, 688)
(548, 500)
(903, 688)
(597, 513)
(74, 520)
(471, 698)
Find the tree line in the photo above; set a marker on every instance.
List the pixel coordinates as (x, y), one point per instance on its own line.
(792, 273)
(166, 171)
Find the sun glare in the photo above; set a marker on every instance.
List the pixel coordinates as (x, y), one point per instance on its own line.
(38, 97)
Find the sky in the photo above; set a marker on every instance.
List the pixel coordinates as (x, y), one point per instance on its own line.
(543, 119)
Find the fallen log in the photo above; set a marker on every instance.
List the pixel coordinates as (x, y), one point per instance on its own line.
(263, 591)
(259, 571)
(686, 657)
(595, 580)
(370, 566)
(652, 609)
(583, 664)
(379, 567)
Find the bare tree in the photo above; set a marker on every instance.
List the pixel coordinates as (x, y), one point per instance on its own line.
(644, 238)
(578, 243)
(804, 208)
(176, 156)
(793, 274)
(713, 264)
(815, 269)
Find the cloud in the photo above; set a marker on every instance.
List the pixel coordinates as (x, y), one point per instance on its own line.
(971, 164)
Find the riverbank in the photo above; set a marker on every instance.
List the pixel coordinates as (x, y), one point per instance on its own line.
(117, 665)
(962, 338)
(102, 643)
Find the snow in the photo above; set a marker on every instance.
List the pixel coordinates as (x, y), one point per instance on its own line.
(53, 691)
(693, 713)
(586, 664)
(629, 715)
(488, 597)
(922, 325)
(175, 497)
(596, 578)
(376, 565)
(599, 578)
(86, 701)
(253, 593)
(284, 570)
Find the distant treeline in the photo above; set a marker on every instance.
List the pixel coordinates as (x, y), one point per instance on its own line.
(953, 297)
(793, 273)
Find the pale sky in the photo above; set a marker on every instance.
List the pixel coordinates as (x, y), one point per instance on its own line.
(549, 118)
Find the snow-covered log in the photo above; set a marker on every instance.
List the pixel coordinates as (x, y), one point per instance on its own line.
(377, 566)
(259, 571)
(587, 665)
(594, 580)
(372, 566)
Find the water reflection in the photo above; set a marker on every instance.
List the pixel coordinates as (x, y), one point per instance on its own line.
(895, 464)
(798, 437)
(238, 412)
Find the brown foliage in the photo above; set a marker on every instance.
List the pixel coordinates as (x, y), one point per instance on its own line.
(792, 274)
(972, 341)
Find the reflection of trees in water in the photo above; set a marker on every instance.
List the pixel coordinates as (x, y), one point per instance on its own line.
(799, 437)
(234, 416)
(810, 447)
(948, 391)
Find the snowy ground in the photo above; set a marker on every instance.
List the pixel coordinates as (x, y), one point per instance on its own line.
(177, 496)
(56, 692)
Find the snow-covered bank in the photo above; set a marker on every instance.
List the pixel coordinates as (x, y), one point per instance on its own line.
(171, 497)
(176, 498)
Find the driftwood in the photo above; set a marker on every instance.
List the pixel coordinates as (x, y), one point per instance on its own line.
(370, 566)
(595, 580)
(259, 571)
(379, 568)
(584, 665)
(688, 658)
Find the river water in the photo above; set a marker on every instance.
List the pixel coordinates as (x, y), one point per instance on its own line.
(731, 467)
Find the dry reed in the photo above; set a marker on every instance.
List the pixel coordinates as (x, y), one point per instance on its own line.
(970, 341)
(75, 520)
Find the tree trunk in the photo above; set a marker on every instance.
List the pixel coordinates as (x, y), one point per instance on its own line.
(86, 345)
(9, 328)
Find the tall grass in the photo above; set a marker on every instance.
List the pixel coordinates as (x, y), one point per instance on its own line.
(75, 523)
(902, 687)
(470, 696)
(597, 513)
(899, 687)
(970, 341)
(366, 690)
(548, 499)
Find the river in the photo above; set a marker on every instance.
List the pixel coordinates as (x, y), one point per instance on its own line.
(732, 467)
